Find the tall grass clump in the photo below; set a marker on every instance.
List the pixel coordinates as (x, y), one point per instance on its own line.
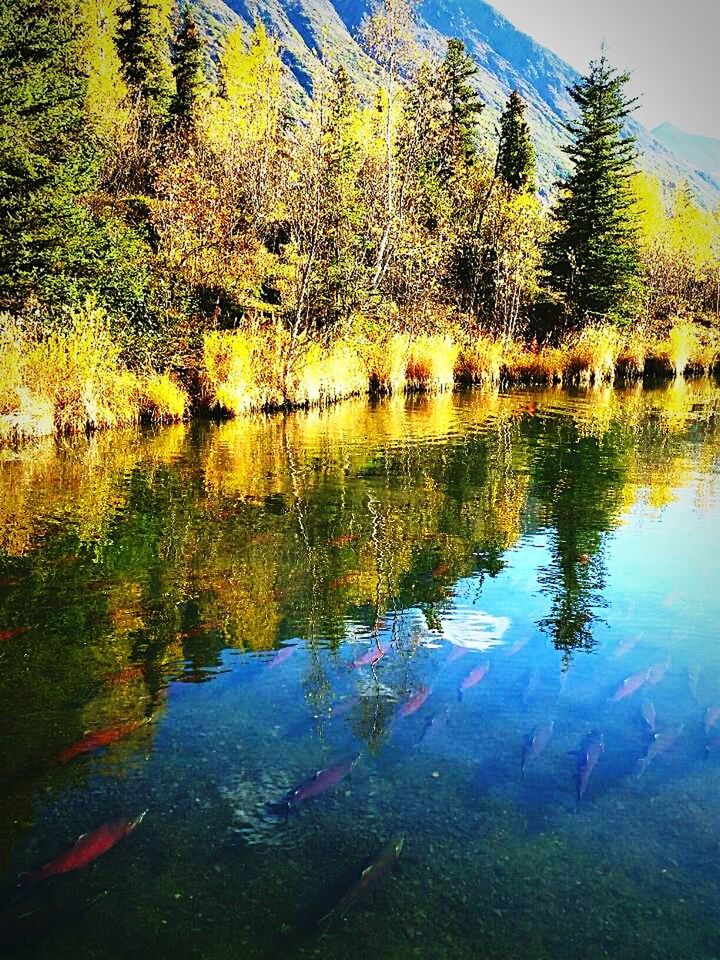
(263, 369)
(591, 355)
(635, 348)
(528, 365)
(67, 375)
(323, 374)
(386, 360)
(431, 364)
(161, 398)
(481, 361)
(243, 369)
(681, 344)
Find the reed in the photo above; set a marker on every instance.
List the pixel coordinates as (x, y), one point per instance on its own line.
(431, 363)
(73, 379)
(591, 355)
(481, 361)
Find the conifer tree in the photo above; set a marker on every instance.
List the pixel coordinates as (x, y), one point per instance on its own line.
(516, 152)
(188, 69)
(464, 106)
(593, 257)
(46, 153)
(143, 46)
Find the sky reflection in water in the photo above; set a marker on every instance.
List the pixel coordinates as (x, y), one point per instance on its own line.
(417, 599)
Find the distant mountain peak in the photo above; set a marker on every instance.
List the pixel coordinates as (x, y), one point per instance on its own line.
(699, 152)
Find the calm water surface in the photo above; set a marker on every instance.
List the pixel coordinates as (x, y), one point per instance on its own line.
(194, 621)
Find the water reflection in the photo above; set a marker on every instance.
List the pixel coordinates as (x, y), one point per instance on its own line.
(347, 626)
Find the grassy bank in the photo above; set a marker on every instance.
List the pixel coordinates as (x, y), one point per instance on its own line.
(256, 370)
(74, 379)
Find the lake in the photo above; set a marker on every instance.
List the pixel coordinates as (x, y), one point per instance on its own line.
(423, 678)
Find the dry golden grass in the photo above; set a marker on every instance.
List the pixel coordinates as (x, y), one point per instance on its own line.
(481, 361)
(73, 380)
(431, 364)
(591, 355)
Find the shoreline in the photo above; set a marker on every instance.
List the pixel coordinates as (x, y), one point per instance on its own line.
(200, 409)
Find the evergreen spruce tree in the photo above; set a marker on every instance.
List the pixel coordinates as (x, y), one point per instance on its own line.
(143, 46)
(464, 106)
(46, 152)
(188, 69)
(516, 152)
(593, 257)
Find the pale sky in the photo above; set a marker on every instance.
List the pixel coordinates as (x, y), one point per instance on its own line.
(672, 47)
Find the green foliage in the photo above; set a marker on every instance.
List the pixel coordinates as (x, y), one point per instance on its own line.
(143, 46)
(593, 258)
(516, 151)
(464, 107)
(188, 56)
(47, 158)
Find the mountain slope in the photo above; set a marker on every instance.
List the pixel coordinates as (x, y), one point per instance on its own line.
(702, 153)
(507, 59)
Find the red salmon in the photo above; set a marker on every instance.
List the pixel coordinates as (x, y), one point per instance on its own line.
(624, 648)
(11, 632)
(535, 743)
(127, 675)
(343, 540)
(630, 685)
(657, 671)
(712, 715)
(414, 703)
(370, 657)
(281, 656)
(457, 653)
(474, 677)
(649, 716)
(100, 738)
(588, 756)
(517, 646)
(319, 783)
(87, 848)
(660, 743)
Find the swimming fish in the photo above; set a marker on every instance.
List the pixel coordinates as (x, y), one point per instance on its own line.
(370, 877)
(474, 677)
(414, 703)
(434, 722)
(693, 673)
(649, 716)
(87, 848)
(135, 671)
(624, 648)
(517, 646)
(100, 738)
(10, 633)
(371, 656)
(532, 684)
(535, 743)
(712, 715)
(657, 671)
(630, 685)
(320, 782)
(660, 743)
(281, 656)
(587, 758)
(343, 540)
(457, 654)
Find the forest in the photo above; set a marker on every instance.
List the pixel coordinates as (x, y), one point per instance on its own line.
(180, 232)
